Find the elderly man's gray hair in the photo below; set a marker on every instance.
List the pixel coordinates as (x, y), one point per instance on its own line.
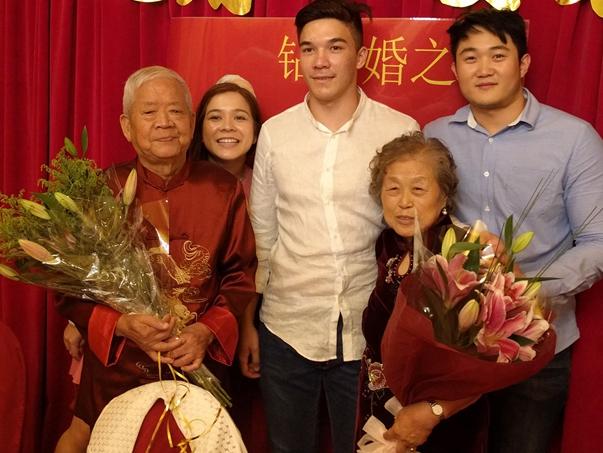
(143, 75)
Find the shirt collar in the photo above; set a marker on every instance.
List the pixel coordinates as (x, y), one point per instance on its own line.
(528, 115)
(348, 124)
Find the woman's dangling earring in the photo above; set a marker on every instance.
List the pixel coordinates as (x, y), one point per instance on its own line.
(444, 211)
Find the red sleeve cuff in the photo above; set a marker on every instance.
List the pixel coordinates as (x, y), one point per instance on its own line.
(225, 328)
(101, 335)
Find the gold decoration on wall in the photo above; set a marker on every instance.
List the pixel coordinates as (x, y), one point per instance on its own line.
(238, 7)
(458, 3)
(597, 5)
(505, 4)
(498, 4)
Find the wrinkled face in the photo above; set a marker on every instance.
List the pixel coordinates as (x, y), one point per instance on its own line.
(159, 124)
(410, 189)
(228, 127)
(329, 60)
(489, 71)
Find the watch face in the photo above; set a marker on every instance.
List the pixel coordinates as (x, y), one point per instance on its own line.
(436, 408)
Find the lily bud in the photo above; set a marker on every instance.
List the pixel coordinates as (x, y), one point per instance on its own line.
(449, 240)
(477, 228)
(522, 241)
(532, 290)
(8, 272)
(130, 188)
(35, 209)
(36, 251)
(468, 315)
(67, 202)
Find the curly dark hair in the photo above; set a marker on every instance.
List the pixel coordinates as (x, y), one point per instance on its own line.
(408, 146)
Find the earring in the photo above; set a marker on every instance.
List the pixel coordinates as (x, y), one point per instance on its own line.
(444, 211)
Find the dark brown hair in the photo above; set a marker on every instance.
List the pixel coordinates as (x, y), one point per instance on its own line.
(197, 148)
(350, 13)
(503, 24)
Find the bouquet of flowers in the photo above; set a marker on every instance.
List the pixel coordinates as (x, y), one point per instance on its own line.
(466, 322)
(80, 239)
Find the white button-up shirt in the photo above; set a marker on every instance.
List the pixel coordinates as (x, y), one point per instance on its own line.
(316, 224)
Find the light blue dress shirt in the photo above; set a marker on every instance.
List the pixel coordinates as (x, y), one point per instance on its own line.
(498, 175)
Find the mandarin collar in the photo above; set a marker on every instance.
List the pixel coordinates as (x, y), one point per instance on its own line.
(158, 182)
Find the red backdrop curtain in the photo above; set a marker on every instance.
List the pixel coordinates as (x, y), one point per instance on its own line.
(64, 63)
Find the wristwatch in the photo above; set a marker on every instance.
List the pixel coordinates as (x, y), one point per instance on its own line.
(437, 409)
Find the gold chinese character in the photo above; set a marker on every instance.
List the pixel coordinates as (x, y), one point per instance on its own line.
(422, 75)
(385, 63)
(372, 54)
(289, 62)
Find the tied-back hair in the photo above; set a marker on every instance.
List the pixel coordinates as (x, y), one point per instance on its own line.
(408, 146)
(348, 12)
(143, 75)
(503, 24)
(197, 149)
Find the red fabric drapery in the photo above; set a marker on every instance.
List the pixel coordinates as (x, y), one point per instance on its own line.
(63, 66)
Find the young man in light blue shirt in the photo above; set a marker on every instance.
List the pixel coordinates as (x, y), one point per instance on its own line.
(505, 143)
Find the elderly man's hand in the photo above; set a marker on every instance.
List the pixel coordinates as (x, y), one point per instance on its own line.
(74, 342)
(412, 427)
(148, 332)
(188, 348)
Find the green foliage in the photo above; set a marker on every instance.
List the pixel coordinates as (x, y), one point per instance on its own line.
(75, 176)
(508, 233)
(72, 175)
(84, 141)
(522, 341)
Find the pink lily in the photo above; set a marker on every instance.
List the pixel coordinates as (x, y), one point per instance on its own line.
(534, 331)
(493, 337)
(458, 282)
(526, 353)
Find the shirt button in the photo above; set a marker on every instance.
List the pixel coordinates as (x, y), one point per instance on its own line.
(486, 173)
(490, 140)
(487, 209)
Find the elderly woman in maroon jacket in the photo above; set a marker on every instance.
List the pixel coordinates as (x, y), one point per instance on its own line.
(414, 179)
(196, 213)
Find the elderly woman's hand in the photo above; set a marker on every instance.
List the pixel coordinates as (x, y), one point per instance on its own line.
(148, 332)
(412, 427)
(188, 348)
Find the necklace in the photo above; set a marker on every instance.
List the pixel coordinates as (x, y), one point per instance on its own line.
(392, 265)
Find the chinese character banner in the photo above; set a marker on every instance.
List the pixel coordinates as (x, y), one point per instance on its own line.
(408, 64)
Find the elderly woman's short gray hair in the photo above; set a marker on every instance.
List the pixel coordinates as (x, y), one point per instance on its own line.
(143, 75)
(408, 146)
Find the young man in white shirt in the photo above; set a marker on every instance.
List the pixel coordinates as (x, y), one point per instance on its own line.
(315, 227)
